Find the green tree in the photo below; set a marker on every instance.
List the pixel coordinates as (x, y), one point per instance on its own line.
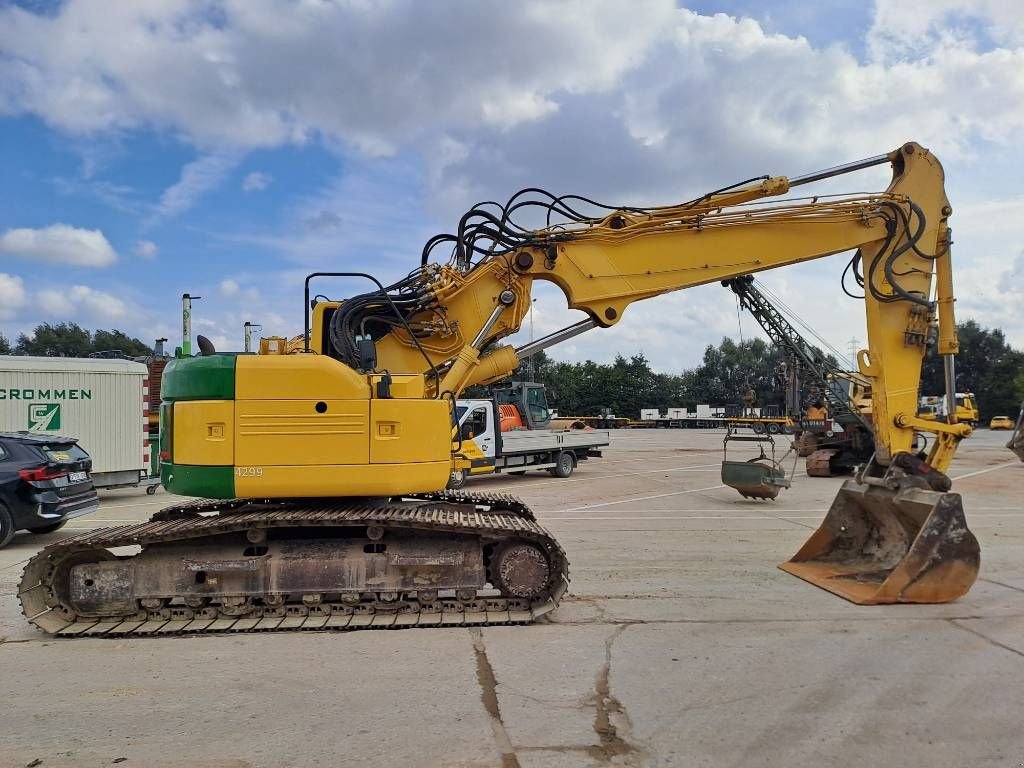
(60, 340)
(986, 365)
(106, 341)
(5, 345)
(71, 340)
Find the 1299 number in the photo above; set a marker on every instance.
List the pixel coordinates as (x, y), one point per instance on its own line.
(248, 471)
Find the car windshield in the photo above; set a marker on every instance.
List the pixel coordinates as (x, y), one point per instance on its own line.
(63, 453)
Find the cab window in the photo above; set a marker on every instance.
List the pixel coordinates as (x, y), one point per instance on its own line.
(476, 424)
(537, 404)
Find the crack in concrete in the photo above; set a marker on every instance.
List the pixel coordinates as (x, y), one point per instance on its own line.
(986, 638)
(1002, 584)
(612, 743)
(489, 696)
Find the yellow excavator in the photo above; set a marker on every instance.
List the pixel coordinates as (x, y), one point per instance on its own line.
(321, 472)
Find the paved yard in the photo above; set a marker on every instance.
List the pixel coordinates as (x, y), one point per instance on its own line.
(680, 643)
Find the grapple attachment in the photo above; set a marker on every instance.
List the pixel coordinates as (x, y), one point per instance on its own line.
(754, 479)
(877, 546)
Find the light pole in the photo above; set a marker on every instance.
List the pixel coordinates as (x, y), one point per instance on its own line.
(186, 323)
(249, 326)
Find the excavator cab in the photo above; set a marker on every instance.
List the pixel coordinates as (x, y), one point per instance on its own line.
(529, 401)
(759, 478)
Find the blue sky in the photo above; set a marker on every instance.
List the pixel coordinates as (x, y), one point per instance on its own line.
(227, 148)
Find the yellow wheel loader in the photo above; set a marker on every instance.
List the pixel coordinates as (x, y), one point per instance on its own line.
(321, 469)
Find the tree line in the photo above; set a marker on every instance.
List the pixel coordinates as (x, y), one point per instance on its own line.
(986, 365)
(71, 340)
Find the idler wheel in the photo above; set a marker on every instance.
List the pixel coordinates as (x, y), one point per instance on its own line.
(521, 570)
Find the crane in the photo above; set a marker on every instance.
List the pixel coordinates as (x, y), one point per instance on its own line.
(855, 444)
(321, 472)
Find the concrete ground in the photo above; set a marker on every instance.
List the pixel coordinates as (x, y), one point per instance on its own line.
(680, 643)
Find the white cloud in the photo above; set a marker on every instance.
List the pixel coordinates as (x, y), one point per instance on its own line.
(59, 244)
(642, 103)
(197, 179)
(256, 181)
(82, 304)
(231, 289)
(146, 249)
(12, 295)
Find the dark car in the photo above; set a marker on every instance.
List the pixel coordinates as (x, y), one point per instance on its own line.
(44, 482)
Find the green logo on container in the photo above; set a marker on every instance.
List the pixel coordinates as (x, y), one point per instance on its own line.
(43, 417)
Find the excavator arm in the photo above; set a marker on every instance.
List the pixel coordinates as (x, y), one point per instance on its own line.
(603, 265)
(894, 533)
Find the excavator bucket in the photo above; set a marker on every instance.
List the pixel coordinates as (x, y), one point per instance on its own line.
(880, 546)
(754, 479)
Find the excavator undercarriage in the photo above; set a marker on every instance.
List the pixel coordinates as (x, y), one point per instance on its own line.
(441, 559)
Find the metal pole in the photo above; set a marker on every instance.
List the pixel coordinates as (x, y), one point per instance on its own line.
(186, 323)
(554, 338)
(838, 170)
(949, 368)
(249, 326)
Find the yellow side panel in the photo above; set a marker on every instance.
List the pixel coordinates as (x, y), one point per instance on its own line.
(204, 432)
(293, 432)
(406, 431)
(330, 480)
(403, 385)
(296, 377)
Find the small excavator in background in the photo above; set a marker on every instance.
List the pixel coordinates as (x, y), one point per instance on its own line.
(322, 473)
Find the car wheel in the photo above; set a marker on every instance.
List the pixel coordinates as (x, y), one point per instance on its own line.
(6, 526)
(48, 528)
(457, 479)
(564, 465)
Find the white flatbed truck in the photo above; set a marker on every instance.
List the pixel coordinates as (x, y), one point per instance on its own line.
(489, 450)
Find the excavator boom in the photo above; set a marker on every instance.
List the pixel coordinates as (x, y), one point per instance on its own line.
(322, 467)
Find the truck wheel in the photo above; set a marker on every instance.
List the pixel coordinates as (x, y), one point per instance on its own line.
(48, 528)
(457, 479)
(6, 526)
(151, 490)
(564, 465)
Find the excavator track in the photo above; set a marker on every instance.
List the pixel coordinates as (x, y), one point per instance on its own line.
(819, 463)
(78, 587)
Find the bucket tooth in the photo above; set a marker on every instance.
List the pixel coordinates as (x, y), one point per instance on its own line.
(878, 546)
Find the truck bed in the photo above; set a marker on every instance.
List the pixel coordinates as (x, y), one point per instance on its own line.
(532, 440)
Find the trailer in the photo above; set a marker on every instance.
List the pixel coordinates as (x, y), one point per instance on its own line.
(104, 404)
(489, 450)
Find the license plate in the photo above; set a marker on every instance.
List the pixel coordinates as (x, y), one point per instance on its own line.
(77, 477)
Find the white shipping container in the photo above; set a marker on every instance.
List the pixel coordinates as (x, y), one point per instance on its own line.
(649, 414)
(703, 411)
(102, 403)
(677, 413)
